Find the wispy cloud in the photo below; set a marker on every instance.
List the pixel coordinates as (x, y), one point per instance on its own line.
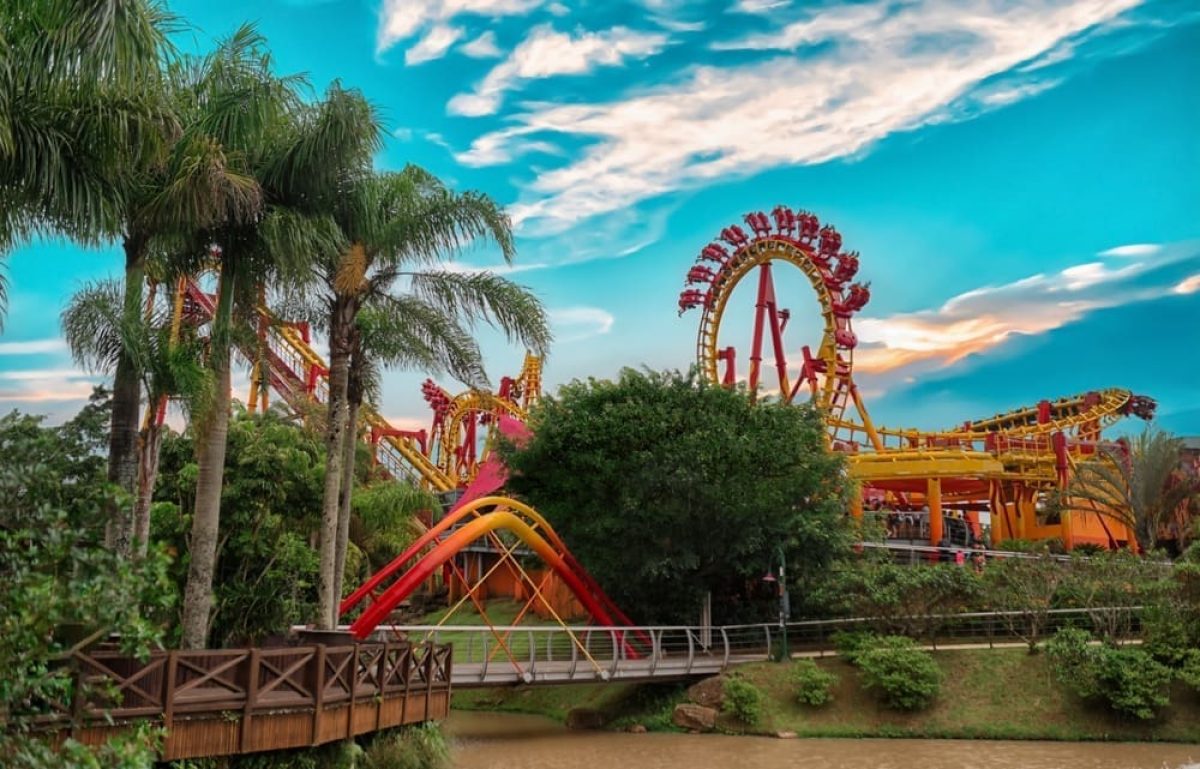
(981, 319)
(1189, 285)
(572, 324)
(868, 71)
(482, 47)
(547, 53)
(403, 19)
(759, 6)
(33, 347)
(434, 44)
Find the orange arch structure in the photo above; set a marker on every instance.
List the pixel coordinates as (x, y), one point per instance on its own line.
(490, 514)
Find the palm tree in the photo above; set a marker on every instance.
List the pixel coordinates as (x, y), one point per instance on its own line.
(1141, 485)
(77, 104)
(101, 335)
(397, 226)
(297, 152)
(192, 186)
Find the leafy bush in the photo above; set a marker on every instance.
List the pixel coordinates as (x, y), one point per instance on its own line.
(814, 686)
(1189, 673)
(906, 677)
(1129, 680)
(743, 700)
(850, 643)
(417, 747)
(1165, 634)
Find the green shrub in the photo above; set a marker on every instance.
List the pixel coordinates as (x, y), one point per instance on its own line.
(1129, 680)
(906, 677)
(1189, 673)
(849, 643)
(814, 686)
(416, 747)
(742, 700)
(1165, 634)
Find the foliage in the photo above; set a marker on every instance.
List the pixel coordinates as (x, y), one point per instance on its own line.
(266, 568)
(851, 643)
(743, 700)
(1166, 633)
(899, 598)
(814, 686)
(384, 522)
(414, 747)
(1024, 589)
(906, 676)
(1189, 671)
(1128, 679)
(666, 487)
(1109, 586)
(60, 590)
(1143, 485)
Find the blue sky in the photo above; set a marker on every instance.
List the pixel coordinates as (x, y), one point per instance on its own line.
(1020, 176)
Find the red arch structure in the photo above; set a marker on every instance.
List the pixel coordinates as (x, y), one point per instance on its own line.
(478, 515)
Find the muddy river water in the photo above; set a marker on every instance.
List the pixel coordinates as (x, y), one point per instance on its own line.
(504, 741)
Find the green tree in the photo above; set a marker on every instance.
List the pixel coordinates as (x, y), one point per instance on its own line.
(666, 488)
(1143, 487)
(77, 105)
(265, 571)
(1025, 588)
(101, 335)
(296, 151)
(900, 599)
(398, 227)
(60, 589)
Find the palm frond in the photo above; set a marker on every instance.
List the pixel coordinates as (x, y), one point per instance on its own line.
(507, 305)
(406, 331)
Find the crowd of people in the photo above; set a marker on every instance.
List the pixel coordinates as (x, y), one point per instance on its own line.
(962, 540)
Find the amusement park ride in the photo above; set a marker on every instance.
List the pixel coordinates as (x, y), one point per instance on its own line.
(1006, 466)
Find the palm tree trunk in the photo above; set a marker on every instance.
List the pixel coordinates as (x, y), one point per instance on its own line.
(126, 403)
(210, 460)
(148, 451)
(340, 321)
(349, 445)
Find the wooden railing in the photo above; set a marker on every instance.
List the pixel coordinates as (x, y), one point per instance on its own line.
(224, 702)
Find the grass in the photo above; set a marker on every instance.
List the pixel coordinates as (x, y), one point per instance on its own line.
(992, 694)
(986, 694)
(467, 646)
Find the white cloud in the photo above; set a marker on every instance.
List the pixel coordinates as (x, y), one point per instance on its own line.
(1188, 285)
(879, 69)
(758, 6)
(1134, 250)
(983, 318)
(546, 53)
(33, 347)
(403, 19)
(433, 45)
(482, 47)
(571, 324)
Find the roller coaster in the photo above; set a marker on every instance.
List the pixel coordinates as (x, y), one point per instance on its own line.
(1009, 465)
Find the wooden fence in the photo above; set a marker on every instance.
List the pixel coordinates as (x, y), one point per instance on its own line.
(224, 702)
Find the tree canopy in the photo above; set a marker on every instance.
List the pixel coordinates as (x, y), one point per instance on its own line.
(666, 487)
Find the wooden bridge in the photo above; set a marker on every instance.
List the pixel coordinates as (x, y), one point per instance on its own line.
(225, 702)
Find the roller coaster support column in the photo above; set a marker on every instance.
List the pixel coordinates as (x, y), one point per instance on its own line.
(933, 498)
(856, 505)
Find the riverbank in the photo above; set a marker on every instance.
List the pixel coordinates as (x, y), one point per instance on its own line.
(986, 694)
(505, 740)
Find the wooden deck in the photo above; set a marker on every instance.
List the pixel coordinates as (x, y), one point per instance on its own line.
(226, 702)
